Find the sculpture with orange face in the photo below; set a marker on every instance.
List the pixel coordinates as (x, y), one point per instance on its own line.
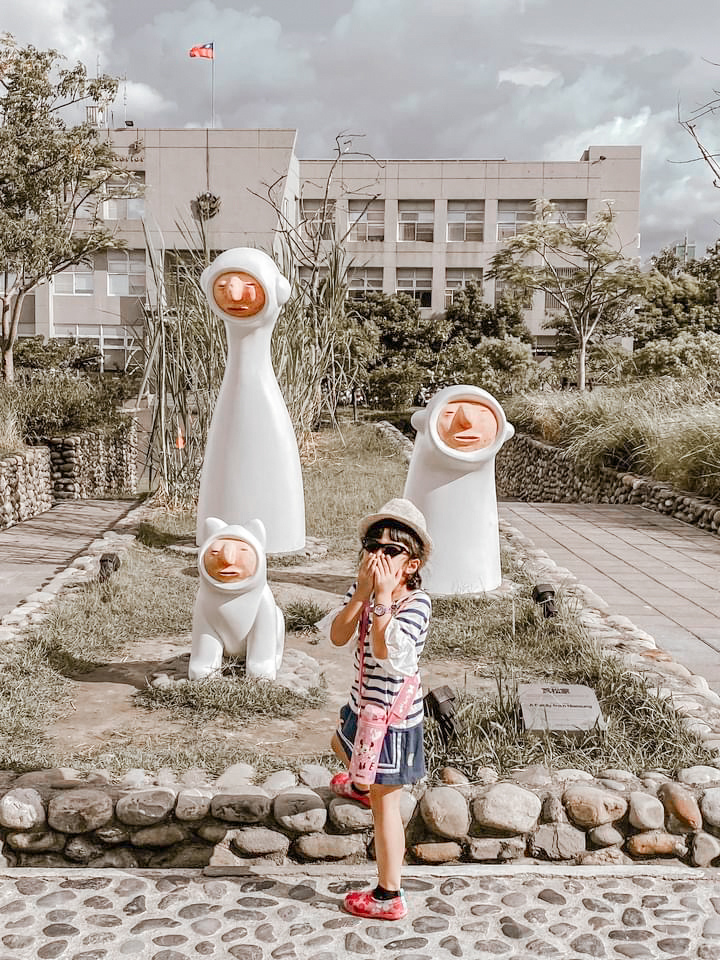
(235, 612)
(251, 466)
(238, 293)
(451, 479)
(228, 560)
(467, 425)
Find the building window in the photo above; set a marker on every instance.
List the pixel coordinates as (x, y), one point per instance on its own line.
(513, 217)
(551, 302)
(7, 280)
(417, 282)
(126, 273)
(75, 281)
(415, 220)
(317, 218)
(569, 211)
(367, 221)
(466, 221)
(365, 280)
(119, 206)
(458, 277)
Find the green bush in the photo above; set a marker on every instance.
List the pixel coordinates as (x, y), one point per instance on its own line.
(60, 402)
(395, 386)
(36, 354)
(687, 354)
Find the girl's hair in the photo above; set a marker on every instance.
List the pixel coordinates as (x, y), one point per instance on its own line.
(401, 534)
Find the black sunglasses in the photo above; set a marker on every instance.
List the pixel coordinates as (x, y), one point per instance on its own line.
(387, 549)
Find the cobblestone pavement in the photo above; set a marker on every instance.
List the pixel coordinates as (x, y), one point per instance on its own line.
(465, 911)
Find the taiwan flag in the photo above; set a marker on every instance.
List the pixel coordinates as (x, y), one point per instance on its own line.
(203, 50)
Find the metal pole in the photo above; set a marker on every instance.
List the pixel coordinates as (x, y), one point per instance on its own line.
(212, 95)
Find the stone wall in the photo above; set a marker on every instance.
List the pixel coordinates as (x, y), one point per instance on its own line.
(530, 470)
(57, 818)
(25, 485)
(94, 464)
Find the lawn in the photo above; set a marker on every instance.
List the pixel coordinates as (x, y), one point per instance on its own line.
(484, 645)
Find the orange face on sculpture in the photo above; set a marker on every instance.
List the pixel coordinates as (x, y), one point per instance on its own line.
(467, 425)
(228, 560)
(238, 293)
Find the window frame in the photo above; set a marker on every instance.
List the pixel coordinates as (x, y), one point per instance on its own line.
(422, 294)
(473, 212)
(131, 257)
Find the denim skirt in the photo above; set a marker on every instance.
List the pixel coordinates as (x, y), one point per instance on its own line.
(402, 758)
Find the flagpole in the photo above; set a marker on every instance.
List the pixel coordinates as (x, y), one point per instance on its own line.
(212, 94)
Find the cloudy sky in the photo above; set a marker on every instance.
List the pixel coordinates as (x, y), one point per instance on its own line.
(520, 79)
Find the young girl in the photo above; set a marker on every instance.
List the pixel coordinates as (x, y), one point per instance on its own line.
(395, 544)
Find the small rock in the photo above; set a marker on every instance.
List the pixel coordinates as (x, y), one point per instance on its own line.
(300, 810)
(557, 841)
(450, 775)
(646, 812)
(445, 812)
(279, 781)
(705, 849)
(680, 804)
(656, 843)
(238, 775)
(315, 775)
(260, 842)
(349, 816)
(710, 805)
(437, 852)
(610, 856)
(589, 807)
(144, 807)
(508, 808)
(193, 803)
(161, 835)
(78, 811)
(321, 846)
(606, 835)
(22, 809)
(250, 806)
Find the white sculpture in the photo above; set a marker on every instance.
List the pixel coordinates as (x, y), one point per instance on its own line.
(252, 465)
(235, 612)
(451, 479)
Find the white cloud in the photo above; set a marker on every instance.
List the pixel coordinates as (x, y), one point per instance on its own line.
(79, 29)
(527, 76)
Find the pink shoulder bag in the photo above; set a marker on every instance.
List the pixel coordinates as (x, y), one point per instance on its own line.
(373, 721)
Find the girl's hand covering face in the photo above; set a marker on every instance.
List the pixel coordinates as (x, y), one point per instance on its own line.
(366, 576)
(387, 573)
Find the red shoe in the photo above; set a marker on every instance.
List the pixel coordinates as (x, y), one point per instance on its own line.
(342, 786)
(362, 903)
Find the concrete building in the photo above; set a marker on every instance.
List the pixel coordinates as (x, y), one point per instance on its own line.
(425, 227)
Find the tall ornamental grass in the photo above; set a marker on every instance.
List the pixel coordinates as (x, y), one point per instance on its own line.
(665, 428)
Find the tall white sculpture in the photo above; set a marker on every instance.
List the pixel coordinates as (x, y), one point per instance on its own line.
(252, 465)
(235, 613)
(451, 479)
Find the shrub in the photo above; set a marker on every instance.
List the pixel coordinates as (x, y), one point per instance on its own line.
(37, 354)
(685, 355)
(397, 385)
(60, 402)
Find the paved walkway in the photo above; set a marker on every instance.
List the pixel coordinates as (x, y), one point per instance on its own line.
(661, 573)
(32, 552)
(517, 913)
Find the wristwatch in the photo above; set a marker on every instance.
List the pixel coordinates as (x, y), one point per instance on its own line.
(380, 610)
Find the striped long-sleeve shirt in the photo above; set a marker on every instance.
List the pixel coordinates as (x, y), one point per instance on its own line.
(405, 637)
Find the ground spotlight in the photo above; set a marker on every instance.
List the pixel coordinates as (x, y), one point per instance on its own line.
(544, 594)
(440, 704)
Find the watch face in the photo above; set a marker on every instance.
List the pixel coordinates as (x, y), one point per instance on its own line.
(379, 610)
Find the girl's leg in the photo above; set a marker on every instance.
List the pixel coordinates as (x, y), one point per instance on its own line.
(337, 749)
(389, 835)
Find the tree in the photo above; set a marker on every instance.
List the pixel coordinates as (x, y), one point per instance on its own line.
(597, 286)
(52, 175)
(471, 317)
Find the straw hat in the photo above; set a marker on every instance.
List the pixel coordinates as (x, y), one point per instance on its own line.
(404, 512)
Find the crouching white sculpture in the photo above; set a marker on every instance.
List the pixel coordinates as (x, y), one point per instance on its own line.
(251, 466)
(451, 479)
(235, 613)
